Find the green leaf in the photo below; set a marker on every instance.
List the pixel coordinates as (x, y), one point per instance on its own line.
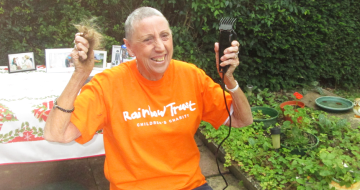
(326, 173)
(252, 141)
(291, 8)
(216, 13)
(300, 180)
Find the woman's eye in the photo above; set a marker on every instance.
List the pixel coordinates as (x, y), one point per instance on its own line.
(165, 36)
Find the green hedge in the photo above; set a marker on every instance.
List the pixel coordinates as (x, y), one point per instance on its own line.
(285, 43)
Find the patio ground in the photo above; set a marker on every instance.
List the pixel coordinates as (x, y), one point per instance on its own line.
(88, 174)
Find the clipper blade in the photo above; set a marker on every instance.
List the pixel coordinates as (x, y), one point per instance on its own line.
(227, 23)
(226, 36)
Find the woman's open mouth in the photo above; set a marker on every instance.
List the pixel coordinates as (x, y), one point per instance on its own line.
(158, 59)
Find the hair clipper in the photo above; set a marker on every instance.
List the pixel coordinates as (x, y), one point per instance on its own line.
(227, 35)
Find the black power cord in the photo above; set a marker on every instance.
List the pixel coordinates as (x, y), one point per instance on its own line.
(217, 151)
(227, 34)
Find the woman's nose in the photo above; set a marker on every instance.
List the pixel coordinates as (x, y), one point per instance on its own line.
(159, 45)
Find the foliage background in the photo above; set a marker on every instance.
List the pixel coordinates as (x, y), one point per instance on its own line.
(285, 43)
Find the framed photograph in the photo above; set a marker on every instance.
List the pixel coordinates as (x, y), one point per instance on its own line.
(100, 59)
(21, 62)
(116, 55)
(59, 60)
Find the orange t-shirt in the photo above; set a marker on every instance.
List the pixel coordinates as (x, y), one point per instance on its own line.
(149, 126)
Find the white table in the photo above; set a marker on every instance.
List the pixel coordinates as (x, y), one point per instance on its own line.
(25, 101)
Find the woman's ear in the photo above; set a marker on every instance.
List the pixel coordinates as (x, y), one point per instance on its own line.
(128, 47)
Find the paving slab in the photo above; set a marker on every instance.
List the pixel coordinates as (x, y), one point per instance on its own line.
(68, 174)
(208, 161)
(217, 183)
(97, 167)
(10, 176)
(68, 185)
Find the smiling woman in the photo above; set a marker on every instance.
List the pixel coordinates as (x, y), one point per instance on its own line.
(149, 142)
(152, 44)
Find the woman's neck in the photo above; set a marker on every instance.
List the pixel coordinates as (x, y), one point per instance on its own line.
(147, 75)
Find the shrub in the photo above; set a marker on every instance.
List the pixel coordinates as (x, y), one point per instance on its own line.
(284, 43)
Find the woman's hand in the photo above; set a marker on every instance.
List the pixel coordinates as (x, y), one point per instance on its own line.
(230, 58)
(82, 55)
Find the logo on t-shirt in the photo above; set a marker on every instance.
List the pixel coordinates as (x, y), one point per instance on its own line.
(173, 108)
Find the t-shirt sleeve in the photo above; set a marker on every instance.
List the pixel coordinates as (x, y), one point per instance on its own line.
(90, 113)
(214, 109)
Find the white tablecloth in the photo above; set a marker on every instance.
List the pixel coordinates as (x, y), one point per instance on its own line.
(25, 101)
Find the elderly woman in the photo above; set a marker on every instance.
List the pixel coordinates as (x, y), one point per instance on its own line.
(149, 108)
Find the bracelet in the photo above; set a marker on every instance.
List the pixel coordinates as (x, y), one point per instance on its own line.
(235, 88)
(62, 109)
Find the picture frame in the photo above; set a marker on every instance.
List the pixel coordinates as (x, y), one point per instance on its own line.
(21, 62)
(116, 55)
(59, 60)
(100, 60)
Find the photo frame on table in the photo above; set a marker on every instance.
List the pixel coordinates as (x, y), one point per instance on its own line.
(59, 60)
(116, 55)
(100, 60)
(21, 62)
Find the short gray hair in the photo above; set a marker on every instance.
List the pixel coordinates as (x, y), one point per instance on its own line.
(136, 16)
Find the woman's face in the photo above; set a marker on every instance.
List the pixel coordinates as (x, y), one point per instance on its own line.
(152, 44)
